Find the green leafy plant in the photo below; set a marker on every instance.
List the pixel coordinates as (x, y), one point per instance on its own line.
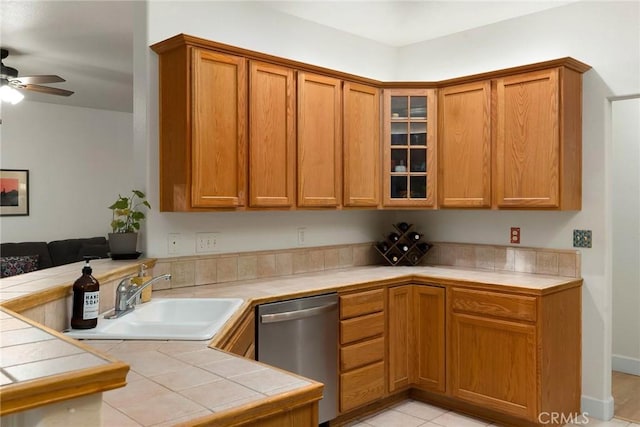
(126, 213)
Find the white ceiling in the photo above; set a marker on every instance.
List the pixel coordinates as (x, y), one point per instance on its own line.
(89, 43)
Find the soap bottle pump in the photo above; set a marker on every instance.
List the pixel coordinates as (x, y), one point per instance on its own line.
(86, 300)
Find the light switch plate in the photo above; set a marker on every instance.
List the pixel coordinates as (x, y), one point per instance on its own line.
(581, 238)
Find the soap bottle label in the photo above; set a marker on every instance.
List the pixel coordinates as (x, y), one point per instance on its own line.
(91, 305)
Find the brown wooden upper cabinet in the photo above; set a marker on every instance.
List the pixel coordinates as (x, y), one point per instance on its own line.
(409, 173)
(464, 146)
(361, 152)
(245, 130)
(203, 124)
(538, 140)
(319, 140)
(272, 136)
(524, 153)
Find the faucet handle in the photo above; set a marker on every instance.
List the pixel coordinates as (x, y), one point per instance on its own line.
(142, 270)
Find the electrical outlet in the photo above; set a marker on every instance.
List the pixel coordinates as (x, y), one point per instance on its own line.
(207, 242)
(581, 238)
(514, 235)
(301, 236)
(173, 242)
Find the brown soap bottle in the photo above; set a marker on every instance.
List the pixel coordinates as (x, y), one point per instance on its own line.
(86, 300)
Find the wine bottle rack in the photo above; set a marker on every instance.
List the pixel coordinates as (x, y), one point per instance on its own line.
(401, 247)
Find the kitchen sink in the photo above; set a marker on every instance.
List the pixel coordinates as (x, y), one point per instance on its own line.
(165, 319)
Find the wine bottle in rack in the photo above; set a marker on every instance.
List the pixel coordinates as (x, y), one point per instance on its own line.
(393, 237)
(393, 257)
(424, 247)
(404, 247)
(383, 246)
(413, 236)
(403, 226)
(414, 257)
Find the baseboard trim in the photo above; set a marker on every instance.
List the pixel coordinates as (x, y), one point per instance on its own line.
(628, 365)
(597, 408)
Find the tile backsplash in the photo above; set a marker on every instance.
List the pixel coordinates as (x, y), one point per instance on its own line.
(555, 262)
(224, 268)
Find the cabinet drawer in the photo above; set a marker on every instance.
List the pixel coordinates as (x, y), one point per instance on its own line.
(494, 304)
(361, 386)
(361, 354)
(361, 303)
(361, 327)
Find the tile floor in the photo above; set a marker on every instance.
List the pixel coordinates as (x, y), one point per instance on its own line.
(411, 413)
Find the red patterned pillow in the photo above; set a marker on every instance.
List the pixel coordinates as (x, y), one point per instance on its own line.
(13, 265)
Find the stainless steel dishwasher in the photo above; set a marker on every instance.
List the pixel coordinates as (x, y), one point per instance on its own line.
(301, 336)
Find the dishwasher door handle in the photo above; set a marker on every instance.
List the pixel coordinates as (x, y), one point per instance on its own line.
(297, 314)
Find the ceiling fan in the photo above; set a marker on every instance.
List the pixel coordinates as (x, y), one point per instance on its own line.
(9, 80)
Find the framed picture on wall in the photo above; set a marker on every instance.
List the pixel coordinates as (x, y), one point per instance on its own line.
(14, 196)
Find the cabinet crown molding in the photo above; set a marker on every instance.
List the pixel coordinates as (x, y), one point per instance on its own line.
(185, 39)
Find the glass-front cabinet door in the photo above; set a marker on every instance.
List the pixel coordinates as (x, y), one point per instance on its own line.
(409, 147)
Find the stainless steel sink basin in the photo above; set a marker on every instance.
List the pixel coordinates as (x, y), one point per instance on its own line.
(165, 319)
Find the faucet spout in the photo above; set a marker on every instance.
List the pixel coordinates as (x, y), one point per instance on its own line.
(136, 290)
(126, 294)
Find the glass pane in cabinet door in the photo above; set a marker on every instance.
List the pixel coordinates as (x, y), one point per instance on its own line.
(399, 160)
(418, 161)
(399, 187)
(418, 134)
(399, 107)
(418, 107)
(418, 187)
(399, 134)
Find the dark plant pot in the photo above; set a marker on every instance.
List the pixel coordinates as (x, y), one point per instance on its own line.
(123, 243)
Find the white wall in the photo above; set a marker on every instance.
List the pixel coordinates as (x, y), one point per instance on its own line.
(605, 36)
(79, 159)
(626, 235)
(248, 25)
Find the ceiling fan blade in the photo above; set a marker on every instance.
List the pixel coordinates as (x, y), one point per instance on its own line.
(27, 80)
(48, 90)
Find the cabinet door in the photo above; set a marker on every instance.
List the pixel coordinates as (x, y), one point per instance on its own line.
(319, 141)
(409, 165)
(493, 364)
(464, 146)
(528, 140)
(219, 126)
(428, 321)
(361, 169)
(400, 332)
(272, 136)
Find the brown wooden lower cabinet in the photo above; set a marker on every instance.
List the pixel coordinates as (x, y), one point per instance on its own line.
(241, 340)
(518, 355)
(493, 364)
(416, 336)
(362, 348)
(505, 355)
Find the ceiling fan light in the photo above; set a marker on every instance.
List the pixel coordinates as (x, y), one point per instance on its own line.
(9, 94)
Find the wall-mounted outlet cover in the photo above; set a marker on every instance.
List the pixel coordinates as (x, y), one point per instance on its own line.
(301, 236)
(514, 235)
(581, 238)
(207, 242)
(173, 243)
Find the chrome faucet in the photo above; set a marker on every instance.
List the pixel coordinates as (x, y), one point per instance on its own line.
(126, 294)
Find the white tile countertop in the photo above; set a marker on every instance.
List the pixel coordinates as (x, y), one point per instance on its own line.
(328, 281)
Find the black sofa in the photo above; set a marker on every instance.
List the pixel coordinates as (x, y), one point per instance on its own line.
(54, 253)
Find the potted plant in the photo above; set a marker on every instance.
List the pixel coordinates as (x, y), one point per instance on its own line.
(123, 240)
